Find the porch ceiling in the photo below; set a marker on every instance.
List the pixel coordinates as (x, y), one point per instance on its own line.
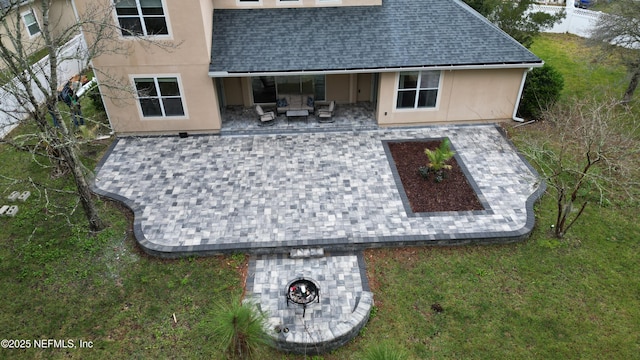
(397, 34)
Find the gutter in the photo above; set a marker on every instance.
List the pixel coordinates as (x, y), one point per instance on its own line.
(529, 66)
(514, 116)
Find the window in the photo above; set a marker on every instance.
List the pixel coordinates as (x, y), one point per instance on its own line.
(141, 17)
(248, 2)
(31, 23)
(418, 89)
(159, 97)
(266, 89)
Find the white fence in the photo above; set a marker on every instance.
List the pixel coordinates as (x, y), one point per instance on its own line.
(72, 60)
(577, 21)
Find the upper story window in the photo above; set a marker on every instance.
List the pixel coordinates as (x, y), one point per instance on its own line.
(31, 22)
(141, 17)
(418, 89)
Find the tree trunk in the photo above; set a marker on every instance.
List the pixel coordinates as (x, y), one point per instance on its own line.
(86, 196)
(633, 84)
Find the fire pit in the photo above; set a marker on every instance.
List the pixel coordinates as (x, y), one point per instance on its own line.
(302, 292)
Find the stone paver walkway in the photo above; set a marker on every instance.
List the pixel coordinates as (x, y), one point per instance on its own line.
(345, 300)
(281, 196)
(270, 193)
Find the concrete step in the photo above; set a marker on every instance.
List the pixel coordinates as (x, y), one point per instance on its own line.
(306, 253)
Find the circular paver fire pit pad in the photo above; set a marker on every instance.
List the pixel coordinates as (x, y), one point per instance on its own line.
(302, 291)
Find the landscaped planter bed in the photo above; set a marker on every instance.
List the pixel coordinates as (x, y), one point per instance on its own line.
(426, 195)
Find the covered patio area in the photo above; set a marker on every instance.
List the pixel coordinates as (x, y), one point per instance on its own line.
(244, 120)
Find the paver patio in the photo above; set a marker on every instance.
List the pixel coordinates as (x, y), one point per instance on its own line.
(269, 193)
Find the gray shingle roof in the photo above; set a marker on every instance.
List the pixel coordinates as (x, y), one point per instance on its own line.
(4, 4)
(400, 33)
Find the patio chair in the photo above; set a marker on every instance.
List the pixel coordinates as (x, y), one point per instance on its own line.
(325, 114)
(267, 117)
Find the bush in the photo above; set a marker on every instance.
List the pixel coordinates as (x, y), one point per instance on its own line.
(541, 90)
(96, 99)
(238, 330)
(438, 161)
(385, 351)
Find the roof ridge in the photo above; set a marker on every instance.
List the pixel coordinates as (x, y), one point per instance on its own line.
(475, 13)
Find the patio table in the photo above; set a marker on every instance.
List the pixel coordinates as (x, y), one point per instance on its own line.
(298, 113)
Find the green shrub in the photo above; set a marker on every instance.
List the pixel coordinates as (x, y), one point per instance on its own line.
(438, 161)
(385, 351)
(238, 329)
(541, 90)
(96, 99)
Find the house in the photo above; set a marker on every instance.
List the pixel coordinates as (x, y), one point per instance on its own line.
(418, 61)
(23, 19)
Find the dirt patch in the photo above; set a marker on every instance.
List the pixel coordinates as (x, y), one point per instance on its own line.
(426, 195)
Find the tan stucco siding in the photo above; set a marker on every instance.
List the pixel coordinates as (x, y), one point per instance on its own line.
(207, 22)
(184, 53)
(15, 25)
(338, 88)
(61, 17)
(199, 100)
(464, 96)
(364, 87)
(187, 42)
(233, 91)
(235, 4)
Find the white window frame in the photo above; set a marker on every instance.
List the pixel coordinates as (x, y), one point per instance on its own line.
(417, 91)
(117, 17)
(248, 2)
(24, 14)
(155, 78)
(289, 2)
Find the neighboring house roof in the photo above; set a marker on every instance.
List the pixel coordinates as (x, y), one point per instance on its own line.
(397, 34)
(4, 4)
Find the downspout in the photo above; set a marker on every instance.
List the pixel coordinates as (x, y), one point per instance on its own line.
(514, 117)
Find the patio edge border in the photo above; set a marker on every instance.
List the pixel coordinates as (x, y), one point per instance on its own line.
(336, 244)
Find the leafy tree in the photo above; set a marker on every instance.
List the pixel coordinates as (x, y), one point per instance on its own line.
(618, 32)
(514, 18)
(541, 90)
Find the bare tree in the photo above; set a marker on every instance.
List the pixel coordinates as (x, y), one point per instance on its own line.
(618, 31)
(35, 89)
(587, 150)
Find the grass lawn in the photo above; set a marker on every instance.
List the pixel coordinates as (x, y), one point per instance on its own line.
(584, 69)
(578, 298)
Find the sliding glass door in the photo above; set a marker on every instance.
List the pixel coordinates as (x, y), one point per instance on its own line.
(266, 89)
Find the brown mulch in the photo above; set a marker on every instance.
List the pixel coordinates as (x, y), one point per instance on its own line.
(425, 195)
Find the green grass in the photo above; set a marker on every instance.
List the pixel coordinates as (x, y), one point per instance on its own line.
(578, 298)
(584, 69)
(542, 299)
(7, 75)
